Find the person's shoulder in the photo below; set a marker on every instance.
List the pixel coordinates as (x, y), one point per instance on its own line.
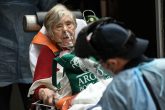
(126, 74)
(124, 79)
(155, 62)
(122, 85)
(159, 63)
(160, 60)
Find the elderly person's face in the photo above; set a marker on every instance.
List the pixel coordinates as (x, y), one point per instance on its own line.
(64, 32)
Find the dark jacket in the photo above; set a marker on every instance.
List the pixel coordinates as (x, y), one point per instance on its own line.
(14, 42)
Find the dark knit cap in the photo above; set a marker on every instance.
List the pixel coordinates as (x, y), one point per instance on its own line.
(108, 41)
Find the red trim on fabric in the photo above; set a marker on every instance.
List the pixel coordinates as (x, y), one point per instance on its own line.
(44, 64)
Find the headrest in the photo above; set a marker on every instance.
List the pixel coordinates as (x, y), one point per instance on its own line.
(33, 23)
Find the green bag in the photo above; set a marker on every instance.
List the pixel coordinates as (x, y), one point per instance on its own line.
(79, 71)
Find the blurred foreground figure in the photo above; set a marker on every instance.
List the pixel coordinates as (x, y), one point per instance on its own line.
(14, 47)
(138, 82)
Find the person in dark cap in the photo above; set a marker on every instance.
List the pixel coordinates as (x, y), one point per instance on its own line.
(138, 82)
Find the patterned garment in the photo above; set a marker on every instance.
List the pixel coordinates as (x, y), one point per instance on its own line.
(79, 72)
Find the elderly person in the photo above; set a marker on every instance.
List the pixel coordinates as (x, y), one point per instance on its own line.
(51, 84)
(60, 26)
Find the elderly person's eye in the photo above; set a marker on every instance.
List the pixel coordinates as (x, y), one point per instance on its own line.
(69, 23)
(59, 27)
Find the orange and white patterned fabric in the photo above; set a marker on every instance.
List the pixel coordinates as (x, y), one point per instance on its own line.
(34, 50)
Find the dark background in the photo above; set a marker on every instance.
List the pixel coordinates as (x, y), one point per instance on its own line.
(139, 15)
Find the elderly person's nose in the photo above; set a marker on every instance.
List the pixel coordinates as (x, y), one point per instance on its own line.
(65, 27)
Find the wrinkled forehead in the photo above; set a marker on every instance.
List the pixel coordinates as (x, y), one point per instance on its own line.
(64, 15)
(65, 19)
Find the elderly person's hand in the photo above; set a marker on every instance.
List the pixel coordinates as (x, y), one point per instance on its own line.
(47, 96)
